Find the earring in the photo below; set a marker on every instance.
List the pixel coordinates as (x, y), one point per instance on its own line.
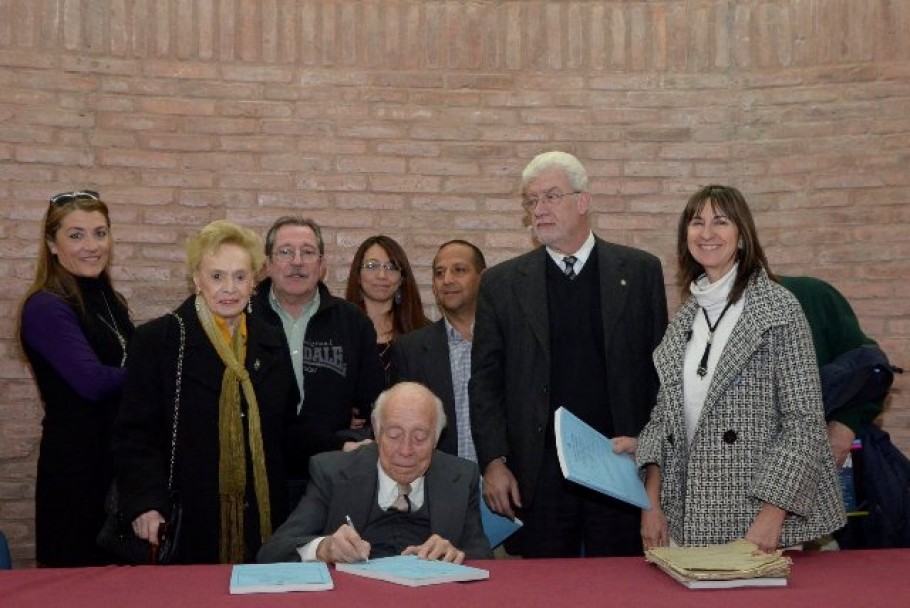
(249, 306)
(742, 243)
(398, 296)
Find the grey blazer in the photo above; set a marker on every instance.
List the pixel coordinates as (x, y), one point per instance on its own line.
(761, 434)
(423, 356)
(344, 484)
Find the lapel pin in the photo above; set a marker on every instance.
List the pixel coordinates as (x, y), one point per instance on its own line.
(622, 282)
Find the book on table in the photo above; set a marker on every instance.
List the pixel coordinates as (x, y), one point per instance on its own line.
(280, 577)
(734, 564)
(587, 458)
(413, 571)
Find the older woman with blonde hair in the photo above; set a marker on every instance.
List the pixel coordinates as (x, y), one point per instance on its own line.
(237, 394)
(74, 330)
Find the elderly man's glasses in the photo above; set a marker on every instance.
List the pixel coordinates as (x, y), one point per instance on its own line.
(287, 255)
(64, 198)
(373, 266)
(551, 197)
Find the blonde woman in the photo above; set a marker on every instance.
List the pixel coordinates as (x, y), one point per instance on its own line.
(237, 395)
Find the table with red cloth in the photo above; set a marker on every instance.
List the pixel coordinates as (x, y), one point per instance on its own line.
(836, 578)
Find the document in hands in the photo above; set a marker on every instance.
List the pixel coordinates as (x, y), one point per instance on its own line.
(412, 571)
(587, 458)
(278, 578)
(497, 527)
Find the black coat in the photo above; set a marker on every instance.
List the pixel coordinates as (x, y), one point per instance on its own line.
(142, 431)
(511, 358)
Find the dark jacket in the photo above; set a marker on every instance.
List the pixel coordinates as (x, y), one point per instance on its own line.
(344, 484)
(835, 330)
(341, 371)
(510, 358)
(423, 356)
(142, 434)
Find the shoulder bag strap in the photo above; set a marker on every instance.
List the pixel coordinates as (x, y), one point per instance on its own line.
(170, 477)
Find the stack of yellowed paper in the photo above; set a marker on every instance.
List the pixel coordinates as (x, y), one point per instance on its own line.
(735, 564)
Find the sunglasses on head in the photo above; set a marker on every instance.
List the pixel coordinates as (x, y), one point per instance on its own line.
(68, 197)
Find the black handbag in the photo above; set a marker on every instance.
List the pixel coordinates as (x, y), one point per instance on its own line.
(116, 535)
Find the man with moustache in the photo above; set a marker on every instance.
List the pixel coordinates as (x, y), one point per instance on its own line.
(332, 343)
(572, 323)
(439, 355)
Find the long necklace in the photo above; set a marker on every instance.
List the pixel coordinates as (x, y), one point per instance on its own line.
(703, 365)
(114, 328)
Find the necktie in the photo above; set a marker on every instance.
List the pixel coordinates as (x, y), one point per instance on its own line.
(569, 261)
(402, 503)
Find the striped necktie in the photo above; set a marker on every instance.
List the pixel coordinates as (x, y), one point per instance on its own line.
(402, 503)
(569, 261)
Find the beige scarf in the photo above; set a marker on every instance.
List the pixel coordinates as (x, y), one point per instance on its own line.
(232, 457)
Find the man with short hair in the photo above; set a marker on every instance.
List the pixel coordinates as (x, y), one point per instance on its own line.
(439, 355)
(397, 496)
(572, 323)
(332, 343)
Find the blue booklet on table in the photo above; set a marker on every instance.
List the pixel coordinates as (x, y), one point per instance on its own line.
(278, 578)
(412, 571)
(587, 458)
(497, 527)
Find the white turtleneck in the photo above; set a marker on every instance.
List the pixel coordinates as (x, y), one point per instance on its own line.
(711, 297)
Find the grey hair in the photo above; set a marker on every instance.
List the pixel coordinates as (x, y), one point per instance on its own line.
(574, 170)
(384, 396)
(293, 220)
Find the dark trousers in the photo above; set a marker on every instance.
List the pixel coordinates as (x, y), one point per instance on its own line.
(569, 520)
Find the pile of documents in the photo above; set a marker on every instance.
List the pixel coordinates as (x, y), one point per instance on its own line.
(735, 564)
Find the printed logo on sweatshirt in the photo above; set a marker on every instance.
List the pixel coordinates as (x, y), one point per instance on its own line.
(324, 355)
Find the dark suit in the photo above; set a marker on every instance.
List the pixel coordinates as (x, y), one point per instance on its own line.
(511, 358)
(345, 484)
(423, 356)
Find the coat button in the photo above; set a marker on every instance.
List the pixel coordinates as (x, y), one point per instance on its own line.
(730, 436)
(670, 438)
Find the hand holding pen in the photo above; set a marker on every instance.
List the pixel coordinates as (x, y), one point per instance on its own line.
(344, 546)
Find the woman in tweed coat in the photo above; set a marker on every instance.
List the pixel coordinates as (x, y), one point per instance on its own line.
(736, 444)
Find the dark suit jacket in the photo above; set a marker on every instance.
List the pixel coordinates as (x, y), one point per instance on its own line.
(423, 356)
(510, 359)
(344, 484)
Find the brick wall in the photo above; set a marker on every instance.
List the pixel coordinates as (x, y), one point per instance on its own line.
(415, 118)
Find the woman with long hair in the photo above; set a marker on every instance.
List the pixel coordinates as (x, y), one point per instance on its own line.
(74, 330)
(382, 284)
(736, 445)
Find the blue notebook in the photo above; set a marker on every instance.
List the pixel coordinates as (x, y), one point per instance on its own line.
(278, 578)
(497, 527)
(412, 571)
(586, 457)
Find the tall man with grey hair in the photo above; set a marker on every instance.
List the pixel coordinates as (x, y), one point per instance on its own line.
(332, 343)
(395, 496)
(572, 323)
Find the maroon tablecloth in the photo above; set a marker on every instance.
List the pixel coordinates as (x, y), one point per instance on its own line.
(848, 578)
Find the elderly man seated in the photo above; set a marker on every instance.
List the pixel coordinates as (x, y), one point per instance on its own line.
(396, 496)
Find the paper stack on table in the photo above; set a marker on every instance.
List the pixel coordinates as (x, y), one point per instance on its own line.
(735, 564)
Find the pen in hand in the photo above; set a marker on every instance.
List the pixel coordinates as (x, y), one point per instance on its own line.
(347, 518)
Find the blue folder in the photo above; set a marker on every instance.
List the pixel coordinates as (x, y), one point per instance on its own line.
(497, 527)
(586, 457)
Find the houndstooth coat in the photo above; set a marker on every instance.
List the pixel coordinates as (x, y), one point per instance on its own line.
(761, 435)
